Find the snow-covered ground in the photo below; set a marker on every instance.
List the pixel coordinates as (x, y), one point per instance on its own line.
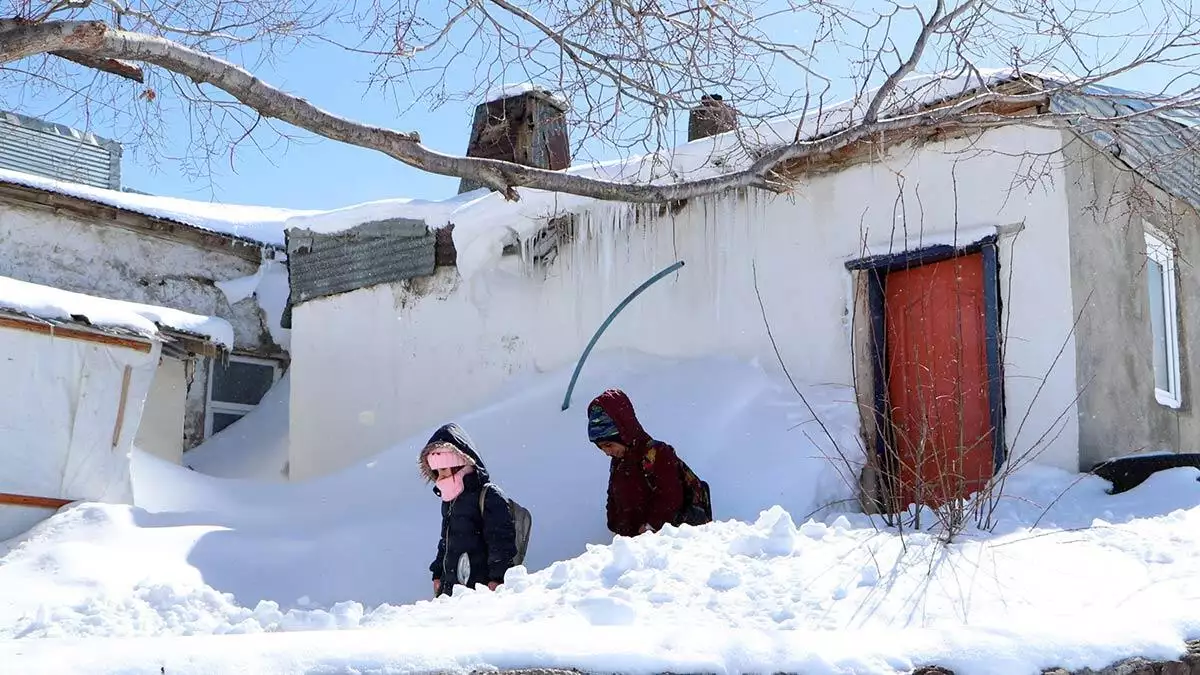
(1071, 576)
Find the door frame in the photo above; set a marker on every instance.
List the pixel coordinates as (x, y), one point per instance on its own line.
(876, 269)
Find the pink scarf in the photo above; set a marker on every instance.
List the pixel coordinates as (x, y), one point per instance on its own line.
(452, 486)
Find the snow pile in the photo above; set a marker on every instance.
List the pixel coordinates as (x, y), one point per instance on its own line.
(255, 446)
(262, 224)
(435, 213)
(1099, 579)
(46, 302)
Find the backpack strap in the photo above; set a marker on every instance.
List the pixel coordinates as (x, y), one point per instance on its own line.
(483, 495)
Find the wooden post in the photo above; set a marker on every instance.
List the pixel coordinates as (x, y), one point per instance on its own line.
(36, 502)
(121, 406)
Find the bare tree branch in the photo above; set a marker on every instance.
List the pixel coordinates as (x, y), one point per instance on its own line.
(626, 66)
(938, 21)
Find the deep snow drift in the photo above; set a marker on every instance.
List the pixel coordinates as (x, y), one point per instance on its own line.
(1098, 578)
(367, 534)
(255, 446)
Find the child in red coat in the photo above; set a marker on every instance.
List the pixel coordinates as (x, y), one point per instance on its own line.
(648, 485)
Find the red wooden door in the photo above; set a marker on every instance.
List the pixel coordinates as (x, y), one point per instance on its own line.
(938, 380)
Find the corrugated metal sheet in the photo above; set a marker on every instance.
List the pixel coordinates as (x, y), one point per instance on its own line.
(1164, 147)
(59, 152)
(378, 252)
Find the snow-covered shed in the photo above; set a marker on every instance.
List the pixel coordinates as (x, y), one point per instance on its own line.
(210, 259)
(1065, 233)
(86, 380)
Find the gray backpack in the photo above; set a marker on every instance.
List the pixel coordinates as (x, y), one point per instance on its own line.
(522, 521)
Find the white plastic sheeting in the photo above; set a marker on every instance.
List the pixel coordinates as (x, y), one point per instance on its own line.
(59, 419)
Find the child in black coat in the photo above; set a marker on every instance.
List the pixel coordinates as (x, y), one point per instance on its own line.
(477, 545)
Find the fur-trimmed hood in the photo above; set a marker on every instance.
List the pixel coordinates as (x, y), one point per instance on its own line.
(453, 436)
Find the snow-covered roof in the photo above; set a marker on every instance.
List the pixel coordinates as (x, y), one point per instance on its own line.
(148, 321)
(484, 222)
(256, 224)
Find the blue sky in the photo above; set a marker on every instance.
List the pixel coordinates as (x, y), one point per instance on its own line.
(317, 173)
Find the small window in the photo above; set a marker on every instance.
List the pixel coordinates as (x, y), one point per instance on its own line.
(1164, 325)
(234, 388)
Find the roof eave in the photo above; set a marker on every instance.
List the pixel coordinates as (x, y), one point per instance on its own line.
(163, 228)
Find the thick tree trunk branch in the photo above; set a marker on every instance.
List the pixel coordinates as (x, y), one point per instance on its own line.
(95, 41)
(21, 39)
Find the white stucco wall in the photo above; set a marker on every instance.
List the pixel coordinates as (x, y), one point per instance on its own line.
(161, 431)
(373, 366)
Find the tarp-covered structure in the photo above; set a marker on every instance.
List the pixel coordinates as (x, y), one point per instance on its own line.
(76, 371)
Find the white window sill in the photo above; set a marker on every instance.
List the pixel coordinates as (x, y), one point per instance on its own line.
(1167, 398)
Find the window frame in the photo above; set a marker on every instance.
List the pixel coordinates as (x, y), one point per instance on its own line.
(212, 407)
(1160, 250)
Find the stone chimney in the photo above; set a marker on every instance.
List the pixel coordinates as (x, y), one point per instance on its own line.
(525, 125)
(713, 116)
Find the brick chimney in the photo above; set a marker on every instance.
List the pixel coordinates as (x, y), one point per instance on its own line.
(525, 125)
(711, 117)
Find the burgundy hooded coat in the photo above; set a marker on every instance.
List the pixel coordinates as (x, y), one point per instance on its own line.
(644, 486)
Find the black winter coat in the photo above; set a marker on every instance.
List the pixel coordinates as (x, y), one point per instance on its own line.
(487, 538)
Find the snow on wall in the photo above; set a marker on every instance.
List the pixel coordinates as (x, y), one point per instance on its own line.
(269, 288)
(375, 365)
(74, 255)
(54, 303)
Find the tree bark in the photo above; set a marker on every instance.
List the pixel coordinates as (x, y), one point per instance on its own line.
(110, 66)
